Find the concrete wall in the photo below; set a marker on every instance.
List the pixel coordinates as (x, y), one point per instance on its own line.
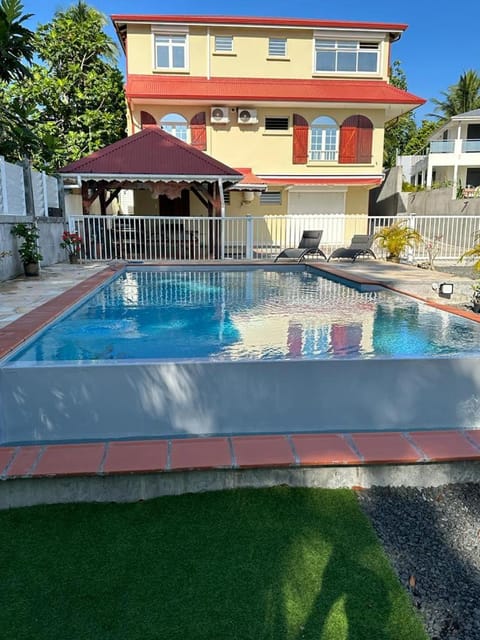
(203, 397)
(386, 200)
(439, 202)
(50, 230)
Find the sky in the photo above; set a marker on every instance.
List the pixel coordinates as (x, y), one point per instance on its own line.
(439, 44)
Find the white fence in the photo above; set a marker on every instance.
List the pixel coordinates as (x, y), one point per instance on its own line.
(24, 191)
(155, 238)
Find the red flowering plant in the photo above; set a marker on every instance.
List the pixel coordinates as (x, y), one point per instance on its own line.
(71, 242)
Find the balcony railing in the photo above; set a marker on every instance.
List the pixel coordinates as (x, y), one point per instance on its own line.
(442, 146)
(470, 146)
(455, 146)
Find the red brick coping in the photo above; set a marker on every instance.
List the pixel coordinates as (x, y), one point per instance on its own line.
(236, 452)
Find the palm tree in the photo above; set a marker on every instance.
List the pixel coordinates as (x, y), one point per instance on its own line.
(16, 41)
(460, 98)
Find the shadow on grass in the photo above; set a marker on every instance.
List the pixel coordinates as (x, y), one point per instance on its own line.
(247, 564)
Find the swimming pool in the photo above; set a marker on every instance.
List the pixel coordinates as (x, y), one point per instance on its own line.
(238, 314)
(176, 352)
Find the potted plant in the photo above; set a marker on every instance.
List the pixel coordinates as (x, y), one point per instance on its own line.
(476, 297)
(72, 243)
(396, 238)
(28, 250)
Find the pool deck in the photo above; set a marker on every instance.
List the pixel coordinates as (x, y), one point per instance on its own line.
(131, 470)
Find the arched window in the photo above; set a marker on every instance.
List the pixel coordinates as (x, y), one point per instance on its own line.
(324, 139)
(176, 125)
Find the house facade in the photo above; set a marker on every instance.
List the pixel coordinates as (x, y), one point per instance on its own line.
(298, 106)
(452, 157)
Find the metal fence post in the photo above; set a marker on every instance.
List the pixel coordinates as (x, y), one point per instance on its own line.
(249, 239)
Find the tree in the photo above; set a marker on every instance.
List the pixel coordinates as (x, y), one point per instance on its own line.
(75, 93)
(460, 97)
(399, 131)
(16, 41)
(16, 53)
(419, 139)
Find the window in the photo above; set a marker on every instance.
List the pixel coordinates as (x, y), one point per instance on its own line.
(223, 44)
(324, 139)
(350, 56)
(226, 197)
(170, 51)
(276, 124)
(271, 197)
(175, 125)
(277, 47)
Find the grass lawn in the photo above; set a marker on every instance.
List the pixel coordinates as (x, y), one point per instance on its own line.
(276, 564)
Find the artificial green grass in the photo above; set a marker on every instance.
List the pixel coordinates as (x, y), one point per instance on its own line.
(276, 564)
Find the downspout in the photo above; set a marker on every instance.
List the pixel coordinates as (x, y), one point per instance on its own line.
(209, 70)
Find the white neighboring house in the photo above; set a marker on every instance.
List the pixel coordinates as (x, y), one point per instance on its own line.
(452, 157)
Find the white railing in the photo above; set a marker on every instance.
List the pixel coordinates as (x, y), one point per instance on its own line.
(457, 145)
(157, 239)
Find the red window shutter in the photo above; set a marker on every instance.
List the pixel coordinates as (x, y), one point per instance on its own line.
(356, 135)
(147, 120)
(364, 143)
(348, 145)
(300, 140)
(198, 131)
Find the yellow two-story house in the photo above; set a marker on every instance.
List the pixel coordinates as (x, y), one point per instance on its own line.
(299, 106)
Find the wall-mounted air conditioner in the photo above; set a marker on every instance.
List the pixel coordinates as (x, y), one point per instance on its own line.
(219, 115)
(246, 115)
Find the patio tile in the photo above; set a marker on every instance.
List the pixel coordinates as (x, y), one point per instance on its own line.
(200, 453)
(262, 451)
(6, 454)
(445, 445)
(385, 448)
(323, 449)
(24, 461)
(139, 456)
(70, 459)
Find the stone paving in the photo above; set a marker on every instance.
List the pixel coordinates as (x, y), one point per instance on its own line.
(21, 295)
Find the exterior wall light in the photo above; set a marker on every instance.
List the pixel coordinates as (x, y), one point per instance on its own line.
(445, 289)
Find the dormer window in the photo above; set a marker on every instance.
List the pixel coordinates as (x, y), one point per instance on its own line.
(346, 56)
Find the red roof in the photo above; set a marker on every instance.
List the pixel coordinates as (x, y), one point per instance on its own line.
(246, 90)
(249, 178)
(260, 21)
(151, 152)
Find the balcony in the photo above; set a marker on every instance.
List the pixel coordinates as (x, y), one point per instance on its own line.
(455, 146)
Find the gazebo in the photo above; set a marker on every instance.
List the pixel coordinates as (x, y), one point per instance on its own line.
(156, 161)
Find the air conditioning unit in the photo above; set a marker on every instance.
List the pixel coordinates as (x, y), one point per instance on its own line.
(246, 116)
(219, 115)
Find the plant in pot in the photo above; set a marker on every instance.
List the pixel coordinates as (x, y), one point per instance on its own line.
(396, 238)
(72, 243)
(28, 250)
(470, 254)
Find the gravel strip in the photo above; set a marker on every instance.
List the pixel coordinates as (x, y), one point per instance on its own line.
(432, 537)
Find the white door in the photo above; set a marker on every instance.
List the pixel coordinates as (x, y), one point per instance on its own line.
(316, 210)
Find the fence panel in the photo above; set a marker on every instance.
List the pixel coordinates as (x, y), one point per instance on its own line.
(155, 238)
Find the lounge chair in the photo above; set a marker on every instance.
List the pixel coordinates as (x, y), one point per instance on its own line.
(360, 245)
(308, 246)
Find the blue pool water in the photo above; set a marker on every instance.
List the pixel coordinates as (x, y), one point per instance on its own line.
(259, 314)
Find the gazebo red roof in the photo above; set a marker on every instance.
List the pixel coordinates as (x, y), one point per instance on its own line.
(154, 154)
